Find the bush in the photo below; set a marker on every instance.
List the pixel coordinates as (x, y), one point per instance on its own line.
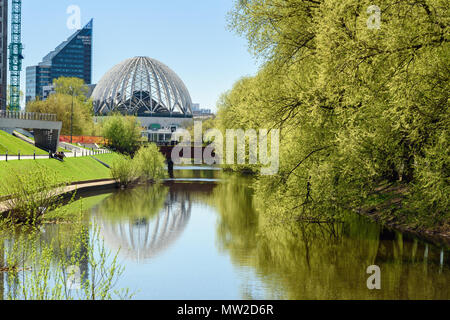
(122, 133)
(123, 170)
(79, 267)
(150, 163)
(32, 194)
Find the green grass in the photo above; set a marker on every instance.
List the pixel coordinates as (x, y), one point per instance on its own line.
(107, 158)
(64, 150)
(71, 170)
(13, 145)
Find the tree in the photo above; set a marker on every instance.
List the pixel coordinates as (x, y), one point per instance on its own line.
(122, 133)
(66, 85)
(150, 162)
(356, 106)
(60, 103)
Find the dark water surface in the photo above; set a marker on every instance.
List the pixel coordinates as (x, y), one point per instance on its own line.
(199, 237)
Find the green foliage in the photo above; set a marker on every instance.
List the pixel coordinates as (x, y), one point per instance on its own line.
(38, 270)
(356, 106)
(206, 125)
(61, 105)
(32, 194)
(123, 170)
(69, 86)
(430, 193)
(150, 163)
(122, 133)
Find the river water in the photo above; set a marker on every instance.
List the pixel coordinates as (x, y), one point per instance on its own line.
(199, 236)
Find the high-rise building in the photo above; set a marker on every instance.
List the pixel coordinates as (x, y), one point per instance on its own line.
(72, 58)
(3, 53)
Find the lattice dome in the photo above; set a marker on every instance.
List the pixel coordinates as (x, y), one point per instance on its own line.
(144, 87)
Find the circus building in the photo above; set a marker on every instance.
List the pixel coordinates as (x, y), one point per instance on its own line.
(146, 88)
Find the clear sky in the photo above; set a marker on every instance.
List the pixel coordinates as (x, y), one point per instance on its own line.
(191, 37)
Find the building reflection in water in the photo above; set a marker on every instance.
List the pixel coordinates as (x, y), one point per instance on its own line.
(148, 220)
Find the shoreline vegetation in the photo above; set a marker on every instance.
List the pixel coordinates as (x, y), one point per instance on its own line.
(53, 266)
(43, 191)
(33, 189)
(385, 207)
(363, 112)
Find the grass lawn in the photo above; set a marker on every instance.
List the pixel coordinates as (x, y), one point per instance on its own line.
(107, 158)
(13, 145)
(71, 170)
(64, 150)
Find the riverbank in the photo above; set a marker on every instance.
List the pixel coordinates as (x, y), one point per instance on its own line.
(386, 207)
(80, 175)
(71, 170)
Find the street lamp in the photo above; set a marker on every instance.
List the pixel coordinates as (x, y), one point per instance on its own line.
(71, 117)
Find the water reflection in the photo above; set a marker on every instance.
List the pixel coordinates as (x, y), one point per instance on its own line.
(143, 222)
(230, 251)
(325, 261)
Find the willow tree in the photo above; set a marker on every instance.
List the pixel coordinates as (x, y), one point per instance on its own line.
(360, 93)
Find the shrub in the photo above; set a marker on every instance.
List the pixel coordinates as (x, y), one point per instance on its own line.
(150, 163)
(80, 268)
(32, 194)
(123, 170)
(122, 133)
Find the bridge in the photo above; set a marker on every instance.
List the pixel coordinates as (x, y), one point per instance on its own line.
(166, 150)
(46, 128)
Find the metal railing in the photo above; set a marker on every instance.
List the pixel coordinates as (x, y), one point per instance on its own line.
(27, 115)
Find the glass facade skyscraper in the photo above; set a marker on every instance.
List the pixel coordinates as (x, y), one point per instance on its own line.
(3, 53)
(72, 58)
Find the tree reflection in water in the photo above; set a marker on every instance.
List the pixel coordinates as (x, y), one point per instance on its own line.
(325, 261)
(273, 260)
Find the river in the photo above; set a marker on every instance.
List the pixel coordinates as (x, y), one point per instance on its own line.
(199, 236)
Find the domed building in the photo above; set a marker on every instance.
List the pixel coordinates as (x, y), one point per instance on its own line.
(145, 88)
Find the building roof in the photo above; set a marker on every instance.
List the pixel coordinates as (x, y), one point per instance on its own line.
(47, 61)
(142, 86)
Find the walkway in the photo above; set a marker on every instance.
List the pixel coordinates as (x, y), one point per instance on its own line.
(77, 151)
(81, 186)
(76, 154)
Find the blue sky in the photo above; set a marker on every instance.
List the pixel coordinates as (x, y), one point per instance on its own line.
(191, 37)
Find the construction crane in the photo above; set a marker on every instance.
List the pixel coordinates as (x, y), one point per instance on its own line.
(15, 55)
